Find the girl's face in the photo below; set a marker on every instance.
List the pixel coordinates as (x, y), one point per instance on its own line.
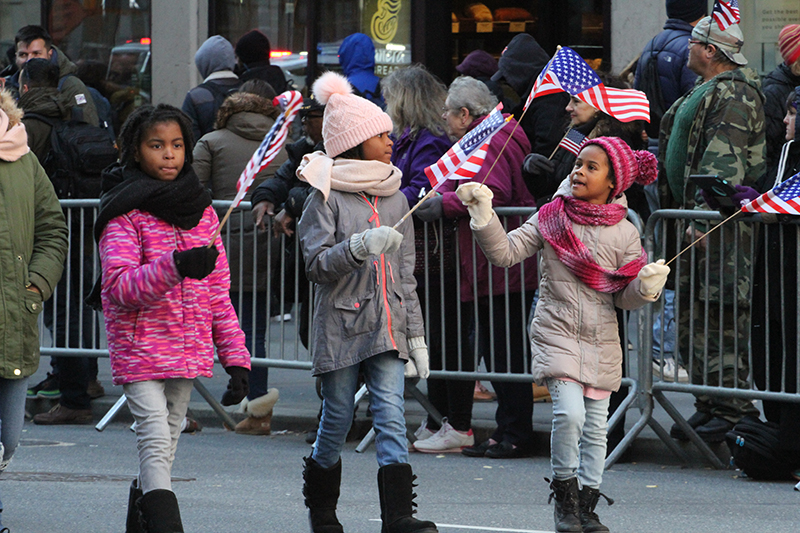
(790, 120)
(161, 153)
(378, 148)
(579, 112)
(589, 178)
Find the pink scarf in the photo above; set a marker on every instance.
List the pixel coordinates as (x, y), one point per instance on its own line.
(14, 141)
(555, 223)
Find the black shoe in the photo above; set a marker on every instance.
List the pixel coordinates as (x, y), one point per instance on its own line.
(506, 450)
(714, 430)
(695, 421)
(479, 450)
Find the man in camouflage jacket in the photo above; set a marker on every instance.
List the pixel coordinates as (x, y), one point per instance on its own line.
(718, 128)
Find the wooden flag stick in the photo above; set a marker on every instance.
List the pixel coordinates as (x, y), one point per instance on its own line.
(703, 236)
(219, 228)
(559, 144)
(504, 145)
(430, 193)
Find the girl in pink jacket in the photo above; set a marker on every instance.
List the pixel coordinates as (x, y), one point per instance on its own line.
(165, 297)
(591, 261)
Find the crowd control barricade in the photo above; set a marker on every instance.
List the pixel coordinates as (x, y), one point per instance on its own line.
(735, 310)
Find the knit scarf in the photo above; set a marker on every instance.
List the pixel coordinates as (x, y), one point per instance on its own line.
(349, 175)
(555, 223)
(13, 141)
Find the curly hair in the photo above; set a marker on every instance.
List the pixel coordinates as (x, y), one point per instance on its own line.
(144, 118)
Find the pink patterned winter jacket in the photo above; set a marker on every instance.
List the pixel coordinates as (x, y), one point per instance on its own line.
(160, 325)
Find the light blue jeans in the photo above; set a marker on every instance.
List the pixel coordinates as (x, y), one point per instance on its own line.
(158, 406)
(578, 439)
(12, 417)
(385, 382)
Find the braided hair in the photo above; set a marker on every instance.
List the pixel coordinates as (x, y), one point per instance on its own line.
(145, 117)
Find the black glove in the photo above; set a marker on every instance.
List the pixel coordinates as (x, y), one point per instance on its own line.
(238, 385)
(196, 263)
(537, 164)
(431, 209)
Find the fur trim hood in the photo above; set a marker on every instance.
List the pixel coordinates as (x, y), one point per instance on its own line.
(245, 103)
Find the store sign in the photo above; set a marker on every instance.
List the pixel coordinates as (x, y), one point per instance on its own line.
(773, 15)
(388, 23)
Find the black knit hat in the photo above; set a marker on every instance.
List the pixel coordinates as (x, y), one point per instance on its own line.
(687, 10)
(253, 47)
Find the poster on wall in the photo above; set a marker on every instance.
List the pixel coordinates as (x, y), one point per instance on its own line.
(388, 23)
(770, 17)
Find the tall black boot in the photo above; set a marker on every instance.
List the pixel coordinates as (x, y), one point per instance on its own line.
(565, 513)
(160, 512)
(396, 489)
(321, 489)
(132, 524)
(587, 501)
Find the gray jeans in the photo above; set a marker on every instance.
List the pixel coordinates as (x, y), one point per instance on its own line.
(158, 407)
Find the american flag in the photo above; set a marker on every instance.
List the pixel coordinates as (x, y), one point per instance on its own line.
(573, 141)
(464, 159)
(290, 102)
(783, 199)
(568, 72)
(726, 13)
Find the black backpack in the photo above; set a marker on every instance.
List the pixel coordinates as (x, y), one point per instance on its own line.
(78, 154)
(219, 92)
(650, 84)
(753, 445)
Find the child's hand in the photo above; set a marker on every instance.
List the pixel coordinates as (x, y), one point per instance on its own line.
(478, 199)
(375, 241)
(417, 365)
(196, 263)
(652, 278)
(238, 385)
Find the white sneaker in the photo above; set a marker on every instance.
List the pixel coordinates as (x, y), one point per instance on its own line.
(286, 317)
(668, 372)
(446, 440)
(423, 432)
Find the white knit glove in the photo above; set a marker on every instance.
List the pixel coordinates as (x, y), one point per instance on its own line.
(375, 241)
(417, 365)
(478, 199)
(652, 278)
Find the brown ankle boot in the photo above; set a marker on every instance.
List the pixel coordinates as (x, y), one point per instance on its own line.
(259, 411)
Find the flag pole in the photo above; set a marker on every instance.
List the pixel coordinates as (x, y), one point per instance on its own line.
(559, 144)
(219, 228)
(703, 236)
(430, 193)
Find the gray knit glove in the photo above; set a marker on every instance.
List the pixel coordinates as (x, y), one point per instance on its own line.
(375, 241)
(417, 365)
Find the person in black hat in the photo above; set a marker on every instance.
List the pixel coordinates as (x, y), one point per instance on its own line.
(252, 56)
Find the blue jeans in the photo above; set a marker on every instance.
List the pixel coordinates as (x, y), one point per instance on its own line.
(385, 382)
(256, 344)
(578, 439)
(12, 417)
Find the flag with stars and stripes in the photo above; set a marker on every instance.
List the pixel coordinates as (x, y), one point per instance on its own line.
(568, 72)
(464, 159)
(573, 141)
(726, 13)
(290, 102)
(783, 199)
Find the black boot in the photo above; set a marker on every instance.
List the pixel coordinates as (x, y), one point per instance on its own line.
(321, 489)
(396, 489)
(132, 524)
(160, 512)
(565, 493)
(587, 501)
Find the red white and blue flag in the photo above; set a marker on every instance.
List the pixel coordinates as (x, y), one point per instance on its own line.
(568, 72)
(573, 141)
(783, 199)
(464, 159)
(726, 13)
(290, 102)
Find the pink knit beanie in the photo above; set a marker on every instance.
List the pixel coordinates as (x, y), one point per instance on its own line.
(349, 120)
(629, 166)
(789, 43)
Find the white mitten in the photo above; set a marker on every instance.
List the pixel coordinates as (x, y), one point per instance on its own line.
(417, 365)
(375, 241)
(478, 199)
(652, 278)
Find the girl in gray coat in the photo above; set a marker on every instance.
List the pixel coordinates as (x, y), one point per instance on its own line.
(366, 314)
(591, 261)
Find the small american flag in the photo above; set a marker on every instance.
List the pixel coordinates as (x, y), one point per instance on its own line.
(464, 159)
(290, 102)
(573, 141)
(568, 72)
(726, 13)
(783, 199)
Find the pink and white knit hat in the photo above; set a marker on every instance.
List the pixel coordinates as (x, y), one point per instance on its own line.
(349, 120)
(629, 166)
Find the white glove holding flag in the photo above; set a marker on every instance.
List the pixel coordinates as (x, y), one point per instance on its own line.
(652, 278)
(417, 365)
(478, 199)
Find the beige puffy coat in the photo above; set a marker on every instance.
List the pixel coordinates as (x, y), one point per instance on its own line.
(574, 330)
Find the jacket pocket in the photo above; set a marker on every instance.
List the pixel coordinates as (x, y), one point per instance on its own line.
(30, 329)
(398, 306)
(357, 314)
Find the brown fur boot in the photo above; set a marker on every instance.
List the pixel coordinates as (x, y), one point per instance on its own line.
(259, 415)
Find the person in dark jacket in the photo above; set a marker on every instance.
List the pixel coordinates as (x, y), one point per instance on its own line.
(252, 57)
(669, 49)
(357, 59)
(215, 61)
(777, 86)
(39, 95)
